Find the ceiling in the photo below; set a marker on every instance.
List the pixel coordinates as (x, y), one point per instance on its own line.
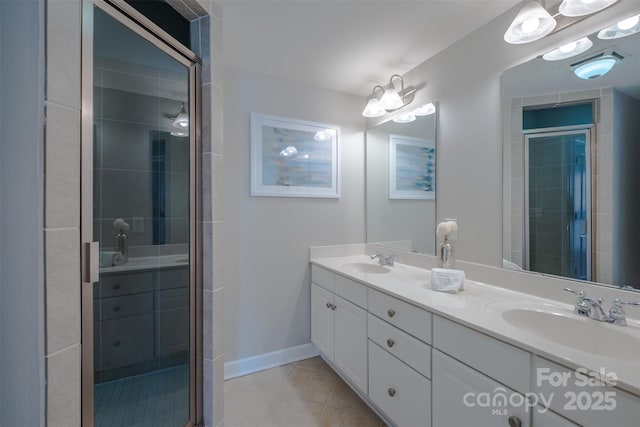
(346, 45)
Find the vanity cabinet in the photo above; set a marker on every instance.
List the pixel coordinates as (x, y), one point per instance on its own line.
(339, 326)
(426, 370)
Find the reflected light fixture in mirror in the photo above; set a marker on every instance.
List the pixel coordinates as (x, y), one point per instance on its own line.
(595, 68)
(624, 28)
(181, 123)
(532, 23)
(574, 8)
(408, 117)
(568, 50)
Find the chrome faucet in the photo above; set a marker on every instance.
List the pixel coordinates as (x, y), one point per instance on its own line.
(383, 260)
(588, 307)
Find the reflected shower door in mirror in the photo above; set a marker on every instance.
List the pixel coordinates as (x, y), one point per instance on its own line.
(401, 184)
(143, 212)
(557, 203)
(572, 199)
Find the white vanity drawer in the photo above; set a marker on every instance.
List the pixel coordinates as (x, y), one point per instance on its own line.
(583, 402)
(464, 397)
(351, 290)
(407, 317)
(411, 351)
(402, 393)
(322, 277)
(502, 362)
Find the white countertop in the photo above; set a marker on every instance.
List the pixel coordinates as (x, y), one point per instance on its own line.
(480, 307)
(148, 263)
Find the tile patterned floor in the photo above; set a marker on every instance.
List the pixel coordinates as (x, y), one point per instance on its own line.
(157, 399)
(303, 394)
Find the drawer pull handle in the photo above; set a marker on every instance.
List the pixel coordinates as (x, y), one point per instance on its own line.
(116, 344)
(391, 313)
(116, 286)
(392, 392)
(514, 422)
(116, 308)
(390, 342)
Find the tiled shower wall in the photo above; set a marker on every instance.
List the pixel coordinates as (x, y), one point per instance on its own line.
(603, 175)
(62, 207)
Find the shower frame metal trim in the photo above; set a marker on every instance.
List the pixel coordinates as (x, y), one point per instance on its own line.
(146, 29)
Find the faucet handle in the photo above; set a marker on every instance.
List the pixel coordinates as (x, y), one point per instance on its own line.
(617, 315)
(580, 294)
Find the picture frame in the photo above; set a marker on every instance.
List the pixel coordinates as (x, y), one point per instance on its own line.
(294, 158)
(412, 168)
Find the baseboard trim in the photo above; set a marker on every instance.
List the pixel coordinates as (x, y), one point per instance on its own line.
(249, 365)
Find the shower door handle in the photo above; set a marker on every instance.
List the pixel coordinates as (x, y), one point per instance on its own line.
(92, 262)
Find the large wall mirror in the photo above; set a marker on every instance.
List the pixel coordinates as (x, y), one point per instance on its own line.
(401, 184)
(572, 162)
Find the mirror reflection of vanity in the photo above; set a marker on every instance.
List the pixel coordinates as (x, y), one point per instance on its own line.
(571, 175)
(402, 219)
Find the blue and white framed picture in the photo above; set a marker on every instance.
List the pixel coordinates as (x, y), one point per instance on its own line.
(412, 168)
(294, 158)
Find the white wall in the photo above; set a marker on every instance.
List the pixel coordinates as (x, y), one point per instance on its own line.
(465, 79)
(267, 239)
(21, 207)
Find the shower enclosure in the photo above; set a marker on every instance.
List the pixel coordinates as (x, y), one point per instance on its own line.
(558, 202)
(141, 316)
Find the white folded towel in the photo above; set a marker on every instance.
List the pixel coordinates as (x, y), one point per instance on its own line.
(111, 258)
(447, 280)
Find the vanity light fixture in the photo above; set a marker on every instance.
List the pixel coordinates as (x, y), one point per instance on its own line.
(182, 119)
(374, 107)
(391, 98)
(596, 67)
(568, 50)
(624, 28)
(573, 8)
(532, 23)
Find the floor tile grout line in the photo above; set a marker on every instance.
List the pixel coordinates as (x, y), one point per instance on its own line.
(326, 403)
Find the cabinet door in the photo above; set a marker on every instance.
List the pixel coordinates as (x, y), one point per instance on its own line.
(464, 397)
(350, 341)
(322, 320)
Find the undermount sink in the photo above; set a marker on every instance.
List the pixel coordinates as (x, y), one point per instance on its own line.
(363, 267)
(582, 334)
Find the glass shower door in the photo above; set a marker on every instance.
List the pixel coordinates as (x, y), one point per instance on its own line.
(143, 358)
(558, 203)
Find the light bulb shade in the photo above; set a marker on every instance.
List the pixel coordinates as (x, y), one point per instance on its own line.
(405, 118)
(568, 50)
(182, 119)
(596, 68)
(425, 110)
(583, 7)
(180, 132)
(626, 27)
(374, 108)
(391, 99)
(532, 23)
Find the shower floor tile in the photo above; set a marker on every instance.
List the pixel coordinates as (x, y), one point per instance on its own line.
(158, 399)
